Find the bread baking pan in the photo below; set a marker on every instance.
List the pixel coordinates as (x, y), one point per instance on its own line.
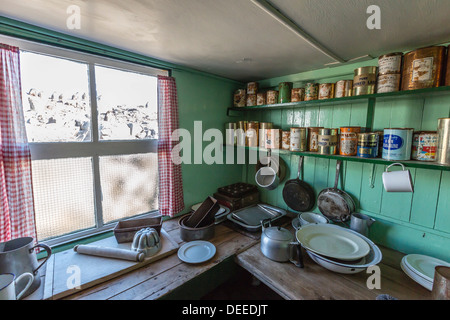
(126, 229)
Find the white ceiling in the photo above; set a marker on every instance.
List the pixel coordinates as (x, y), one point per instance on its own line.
(236, 38)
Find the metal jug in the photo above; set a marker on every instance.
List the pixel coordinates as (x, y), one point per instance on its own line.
(18, 256)
(361, 223)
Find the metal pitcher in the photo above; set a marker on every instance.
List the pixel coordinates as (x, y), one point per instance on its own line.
(18, 256)
(361, 223)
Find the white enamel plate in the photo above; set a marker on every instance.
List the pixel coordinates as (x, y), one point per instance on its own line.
(332, 242)
(423, 265)
(196, 251)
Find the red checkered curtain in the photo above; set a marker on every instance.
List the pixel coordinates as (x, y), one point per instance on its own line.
(16, 194)
(170, 181)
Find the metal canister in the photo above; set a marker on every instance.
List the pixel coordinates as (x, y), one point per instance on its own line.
(327, 141)
(241, 135)
(313, 135)
(251, 100)
(297, 94)
(443, 150)
(343, 88)
(348, 142)
(364, 80)
(286, 140)
(260, 98)
(390, 63)
(326, 91)
(298, 139)
(311, 91)
(397, 143)
(252, 87)
(252, 133)
(263, 126)
(284, 92)
(423, 68)
(424, 146)
(367, 145)
(240, 98)
(272, 97)
(230, 133)
(388, 83)
(273, 138)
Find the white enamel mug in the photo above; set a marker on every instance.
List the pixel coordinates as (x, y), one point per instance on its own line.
(8, 285)
(397, 181)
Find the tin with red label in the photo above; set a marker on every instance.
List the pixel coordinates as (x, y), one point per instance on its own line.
(424, 146)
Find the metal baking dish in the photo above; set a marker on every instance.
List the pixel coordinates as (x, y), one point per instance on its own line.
(250, 217)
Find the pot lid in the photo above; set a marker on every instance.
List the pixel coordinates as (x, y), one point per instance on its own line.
(278, 233)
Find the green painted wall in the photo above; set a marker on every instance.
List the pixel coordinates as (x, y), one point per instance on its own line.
(410, 223)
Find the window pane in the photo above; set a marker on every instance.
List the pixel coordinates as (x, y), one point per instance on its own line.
(63, 196)
(127, 105)
(129, 185)
(55, 95)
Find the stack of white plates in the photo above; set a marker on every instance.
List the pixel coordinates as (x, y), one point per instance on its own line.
(338, 249)
(420, 268)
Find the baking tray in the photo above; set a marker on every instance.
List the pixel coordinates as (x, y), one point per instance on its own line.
(250, 217)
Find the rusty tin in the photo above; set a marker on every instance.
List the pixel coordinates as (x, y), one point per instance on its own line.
(311, 91)
(286, 140)
(326, 91)
(240, 98)
(263, 126)
(251, 100)
(388, 83)
(348, 141)
(298, 139)
(272, 97)
(260, 98)
(273, 138)
(390, 63)
(252, 133)
(252, 87)
(313, 134)
(297, 94)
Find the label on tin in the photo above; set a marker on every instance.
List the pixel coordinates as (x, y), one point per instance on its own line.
(348, 146)
(313, 142)
(365, 80)
(391, 64)
(422, 69)
(426, 147)
(392, 142)
(297, 140)
(388, 83)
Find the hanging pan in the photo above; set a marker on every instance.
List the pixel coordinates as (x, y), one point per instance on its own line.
(335, 204)
(297, 194)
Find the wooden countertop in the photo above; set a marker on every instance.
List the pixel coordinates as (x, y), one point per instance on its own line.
(164, 276)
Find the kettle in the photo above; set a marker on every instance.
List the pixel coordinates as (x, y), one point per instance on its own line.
(278, 244)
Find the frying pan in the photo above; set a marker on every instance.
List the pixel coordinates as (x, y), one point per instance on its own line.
(335, 204)
(297, 194)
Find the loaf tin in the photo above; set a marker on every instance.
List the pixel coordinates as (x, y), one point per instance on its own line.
(240, 98)
(424, 146)
(348, 141)
(297, 94)
(298, 140)
(343, 88)
(397, 143)
(125, 230)
(272, 97)
(327, 141)
(311, 91)
(313, 135)
(443, 150)
(364, 80)
(367, 145)
(284, 92)
(326, 91)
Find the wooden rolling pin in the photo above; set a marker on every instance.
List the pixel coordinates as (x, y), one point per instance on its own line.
(106, 252)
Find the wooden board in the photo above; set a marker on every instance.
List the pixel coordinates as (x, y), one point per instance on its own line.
(62, 267)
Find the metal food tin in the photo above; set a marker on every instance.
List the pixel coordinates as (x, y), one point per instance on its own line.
(272, 97)
(273, 138)
(326, 91)
(298, 139)
(263, 126)
(252, 133)
(251, 100)
(423, 68)
(240, 98)
(260, 98)
(348, 142)
(390, 63)
(343, 88)
(230, 133)
(284, 92)
(241, 135)
(252, 87)
(367, 145)
(388, 83)
(397, 143)
(364, 80)
(424, 146)
(327, 141)
(297, 94)
(311, 91)
(313, 135)
(443, 150)
(286, 140)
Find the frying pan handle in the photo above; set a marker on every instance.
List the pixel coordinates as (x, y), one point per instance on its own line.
(300, 165)
(338, 169)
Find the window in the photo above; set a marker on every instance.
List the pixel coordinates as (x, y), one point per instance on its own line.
(92, 124)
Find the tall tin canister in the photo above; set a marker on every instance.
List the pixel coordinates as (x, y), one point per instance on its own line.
(285, 140)
(326, 91)
(343, 88)
(311, 91)
(230, 133)
(397, 143)
(443, 150)
(273, 138)
(313, 135)
(241, 133)
(365, 80)
(284, 92)
(348, 141)
(272, 97)
(327, 141)
(367, 145)
(298, 139)
(263, 126)
(297, 94)
(252, 133)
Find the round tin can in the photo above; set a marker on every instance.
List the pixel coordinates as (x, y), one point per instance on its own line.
(273, 138)
(327, 141)
(397, 143)
(311, 91)
(240, 98)
(423, 68)
(286, 140)
(326, 91)
(284, 92)
(348, 142)
(390, 63)
(230, 133)
(367, 145)
(298, 139)
(364, 80)
(263, 126)
(252, 87)
(260, 98)
(252, 133)
(424, 146)
(343, 88)
(241, 135)
(297, 94)
(443, 151)
(272, 97)
(251, 100)
(388, 83)
(313, 135)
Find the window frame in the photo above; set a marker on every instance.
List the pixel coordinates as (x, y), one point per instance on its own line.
(94, 148)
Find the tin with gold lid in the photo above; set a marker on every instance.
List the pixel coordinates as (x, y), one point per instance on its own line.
(364, 80)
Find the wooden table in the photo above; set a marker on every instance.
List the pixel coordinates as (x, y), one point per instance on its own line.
(164, 278)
